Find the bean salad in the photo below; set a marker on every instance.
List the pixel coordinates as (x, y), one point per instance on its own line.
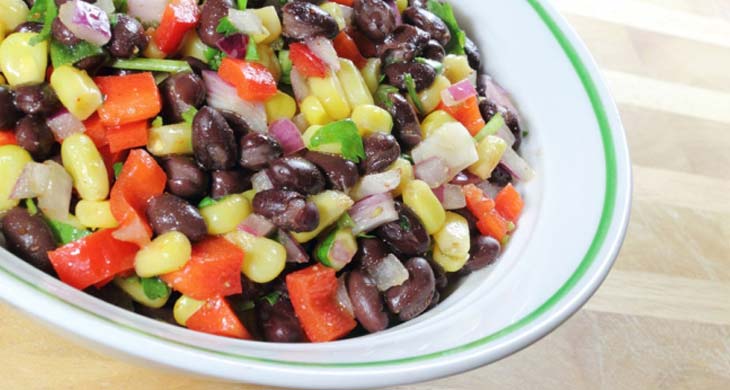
(287, 171)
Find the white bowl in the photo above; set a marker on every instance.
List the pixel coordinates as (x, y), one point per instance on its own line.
(572, 228)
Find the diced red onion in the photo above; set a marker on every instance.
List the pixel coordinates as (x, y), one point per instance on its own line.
(458, 92)
(489, 189)
(451, 196)
(377, 183)
(394, 7)
(294, 252)
(388, 272)
(343, 298)
(433, 171)
(516, 165)
(299, 85)
(63, 125)
(147, 11)
(288, 135)
(246, 21)
(372, 212)
(324, 50)
(86, 21)
(505, 133)
(56, 200)
(224, 96)
(32, 182)
(341, 254)
(257, 225)
(496, 94)
(235, 46)
(261, 181)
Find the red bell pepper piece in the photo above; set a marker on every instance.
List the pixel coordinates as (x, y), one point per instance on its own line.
(252, 80)
(129, 98)
(96, 131)
(467, 112)
(217, 317)
(92, 259)
(489, 221)
(180, 17)
(110, 158)
(214, 270)
(127, 136)
(347, 48)
(7, 137)
(306, 62)
(509, 203)
(367, 47)
(313, 294)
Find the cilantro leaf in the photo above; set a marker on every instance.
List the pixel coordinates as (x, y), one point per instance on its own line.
(37, 13)
(214, 57)
(225, 27)
(69, 55)
(154, 288)
(344, 133)
(286, 66)
(189, 115)
(252, 53)
(381, 95)
(437, 66)
(120, 6)
(272, 297)
(446, 13)
(411, 87)
(405, 224)
(242, 4)
(207, 201)
(49, 10)
(66, 233)
(117, 167)
(157, 122)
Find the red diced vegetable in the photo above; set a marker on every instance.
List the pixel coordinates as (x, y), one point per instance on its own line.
(129, 98)
(348, 3)
(509, 203)
(180, 16)
(306, 62)
(110, 158)
(217, 317)
(127, 136)
(96, 130)
(367, 47)
(253, 81)
(467, 112)
(347, 48)
(489, 222)
(7, 137)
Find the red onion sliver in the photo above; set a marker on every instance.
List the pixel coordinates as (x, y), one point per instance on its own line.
(377, 183)
(324, 50)
(147, 11)
(56, 200)
(257, 225)
(63, 125)
(505, 133)
(32, 182)
(394, 7)
(224, 96)
(516, 165)
(451, 196)
(343, 298)
(388, 272)
(372, 212)
(235, 46)
(433, 171)
(458, 92)
(86, 21)
(299, 85)
(489, 189)
(288, 135)
(294, 252)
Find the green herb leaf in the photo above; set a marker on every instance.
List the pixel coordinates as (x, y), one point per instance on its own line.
(437, 66)
(525, 133)
(405, 224)
(242, 4)
(225, 27)
(153, 65)
(272, 297)
(490, 128)
(37, 13)
(69, 55)
(446, 13)
(286, 66)
(31, 207)
(365, 235)
(252, 53)
(207, 201)
(214, 57)
(120, 6)
(189, 115)
(157, 122)
(66, 233)
(381, 95)
(411, 87)
(117, 169)
(154, 288)
(114, 19)
(344, 133)
(50, 11)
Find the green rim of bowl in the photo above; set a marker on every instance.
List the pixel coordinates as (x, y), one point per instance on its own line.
(588, 260)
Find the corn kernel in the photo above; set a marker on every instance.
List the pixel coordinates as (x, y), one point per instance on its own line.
(331, 206)
(14, 12)
(249, 195)
(95, 214)
(453, 239)
(264, 258)
(133, 287)
(193, 46)
(167, 253)
(330, 93)
(418, 196)
(2, 79)
(2, 35)
(268, 59)
(314, 111)
(184, 308)
(270, 20)
(281, 106)
(431, 96)
(435, 120)
(12, 161)
(170, 139)
(456, 68)
(449, 263)
(22, 62)
(357, 91)
(336, 12)
(371, 74)
(406, 174)
(334, 148)
(224, 216)
(85, 165)
(402, 5)
(76, 90)
(371, 119)
(490, 151)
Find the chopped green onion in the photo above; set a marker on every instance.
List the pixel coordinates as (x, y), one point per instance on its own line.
(49, 11)
(31, 207)
(189, 115)
(437, 66)
(381, 95)
(117, 167)
(491, 128)
(252, 53)
(242, 4)
(207, 201)
(225, 27)
(66, 233)
(153, 65)
(272, 297)
(411, 87)
(286, 66)
(154, 288)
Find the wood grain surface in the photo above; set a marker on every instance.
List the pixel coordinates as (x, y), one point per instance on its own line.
(662, 319)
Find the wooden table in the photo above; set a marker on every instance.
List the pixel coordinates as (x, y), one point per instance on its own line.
(662, 319)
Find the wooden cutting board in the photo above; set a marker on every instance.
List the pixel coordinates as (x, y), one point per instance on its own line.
(662, 319)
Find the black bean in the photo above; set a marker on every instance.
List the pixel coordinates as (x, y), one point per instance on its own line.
(404, 45)
(62, 34)
(423, 75)
(214, 142)
(434, 51)
(406, 236)
(302, 21)
(418, 3)
(473, 54)
(381, 150)
(36, 99)
(197, 65)
(29, 238)
(288, 210)
(258, 150)
(34, 135)
(500, 176)
(29, 27)
(168, 213)
(429, 23)
(210, 16)
(296, 174)
(279, 323)
(484, 252)
(440, 276)
(406, 127)
(179, 93)
(413, 296)
(185, 178)
(238, 124)
(128, 37)
(93, 64)
(369, 252)
(8, 113)
(229, 182)
(513, 123)
(374, 18)
(489, 109)
(367, 303)
(341, 174)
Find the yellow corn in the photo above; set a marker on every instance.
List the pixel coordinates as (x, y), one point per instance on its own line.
(330, 93)
(12, 161)
(406, 174)
(371, 119)
(193, 46)
(336, 12)
(133, 287)
(334, 148)
(456, 68)
(226, 214)
(418, 196)
(152, 51)
(357, 91)
(184, 308)
(2, 35)
(2, 79)
(453, 239)
(331, 206)
(371, 74)
(270, 20)
(268, 58)
(95, 214)
(281, 106)
(76, 90)
(431, 97)
(402, 5)
(490, 151)
(314, 111)
(435, 120)
(449, 263)
(264, 258)
(170, 139)
(85, 165)
(22, 62)
(14, 12)
(249, 195)
(167, 253)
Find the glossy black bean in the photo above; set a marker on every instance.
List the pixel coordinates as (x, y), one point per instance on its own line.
(375, 18)
(367, 303)
(185, 178)
(429, 23)
(341, 174)
(229, 182)
(296, 174)
(440, 276)
(214, 142)
(36, 99)
(279, 323)
(128, 37)
(62, 34)
(418, 3)
(238, 124)
(288, 210)
(406, 237)
(34, 135)
(473, 54)
(423, 75)
(500, 176)
(179, 93)
(413, 296)
(35, 27)
(258, 150)
(488, 109)
(210, 16)
(93, 64)
(197, 65)
(369, 252)
(302, 21)
(29, 238)
(168, 213)
(381, 151)
(406, 127)
(8, 113)
(404, 45)
(513, 123)
(484, 251)
(434, 51)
